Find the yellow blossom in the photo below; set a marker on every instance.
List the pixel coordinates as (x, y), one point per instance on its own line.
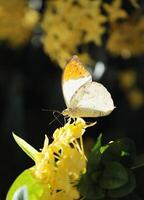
(136, 98)
(127, 79)
(126, 39)
(60, 164)
(67, 25)
(17, 21)
(115, 11)
(70, 131)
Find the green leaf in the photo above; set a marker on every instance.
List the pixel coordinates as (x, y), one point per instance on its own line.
(26, 183)
(122, 150)
(28, 149)
(104, 148)
(114, 176)
(95, 176)
(94, 157)
(21, 194)
(90, 190)
(97, 144)
(125, 189)
(94, 160)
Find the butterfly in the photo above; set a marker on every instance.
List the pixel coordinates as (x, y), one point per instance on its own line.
(84, 97)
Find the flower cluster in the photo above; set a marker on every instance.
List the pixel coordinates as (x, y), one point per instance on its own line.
(17, 21)
(61, 163)
(67, 24)
(126, 39)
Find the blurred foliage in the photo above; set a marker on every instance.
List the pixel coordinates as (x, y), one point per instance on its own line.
(84, 22)
(71, 24)
(128, 83)
(17, 21)
(126, 38)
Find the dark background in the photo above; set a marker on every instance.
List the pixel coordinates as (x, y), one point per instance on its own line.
(30, 82)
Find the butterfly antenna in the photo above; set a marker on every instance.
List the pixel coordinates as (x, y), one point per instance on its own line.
(56, 117)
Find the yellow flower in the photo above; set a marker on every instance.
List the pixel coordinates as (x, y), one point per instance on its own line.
(17, 21)
(115, 11)
(136, 98)
(58, 165)
(67, 25)
(126, 39)
(127, 79)
(61, 163)
(70, 161)
(70, 131)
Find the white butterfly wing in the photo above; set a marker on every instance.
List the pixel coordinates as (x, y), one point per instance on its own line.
(74, 76)
(91, 100)
(70, 87)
